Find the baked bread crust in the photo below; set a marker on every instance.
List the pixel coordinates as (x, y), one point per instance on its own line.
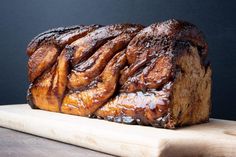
(157, 75)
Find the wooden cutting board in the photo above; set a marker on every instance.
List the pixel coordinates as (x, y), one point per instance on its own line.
(216, 138)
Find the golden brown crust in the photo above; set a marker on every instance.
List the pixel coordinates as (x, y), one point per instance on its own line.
(42, 59)
(42, 94)
(85, 72)
(123, 73)
(86, 102)
(146, 108)
(44, 49)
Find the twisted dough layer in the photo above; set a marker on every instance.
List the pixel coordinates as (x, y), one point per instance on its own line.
(44, 49)
(86, 102)
(85, 72)
(122, 72)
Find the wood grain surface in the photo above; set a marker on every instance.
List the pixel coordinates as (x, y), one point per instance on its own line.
(216, 138)
(18, 144)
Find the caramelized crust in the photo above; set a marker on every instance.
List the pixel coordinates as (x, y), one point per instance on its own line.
(157, 75)
(85, 72)
(158, 37)
(48, 90)
(59, 36)
(46, 47)
(146, 108)
(86, 46)
(184, 100)
(152, 76)
(43, 58)
(86, 102)
(153, 50)
(42, 94)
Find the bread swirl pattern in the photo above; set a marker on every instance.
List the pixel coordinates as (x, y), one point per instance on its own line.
(156, 75)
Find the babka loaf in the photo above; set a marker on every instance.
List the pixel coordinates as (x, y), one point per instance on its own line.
(156, 75)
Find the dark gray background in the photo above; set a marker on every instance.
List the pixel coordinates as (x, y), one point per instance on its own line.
(21, 20)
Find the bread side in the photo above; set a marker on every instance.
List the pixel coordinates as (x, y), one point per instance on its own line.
(191, 91)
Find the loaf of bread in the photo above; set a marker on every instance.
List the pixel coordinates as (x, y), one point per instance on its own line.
(156, 75)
